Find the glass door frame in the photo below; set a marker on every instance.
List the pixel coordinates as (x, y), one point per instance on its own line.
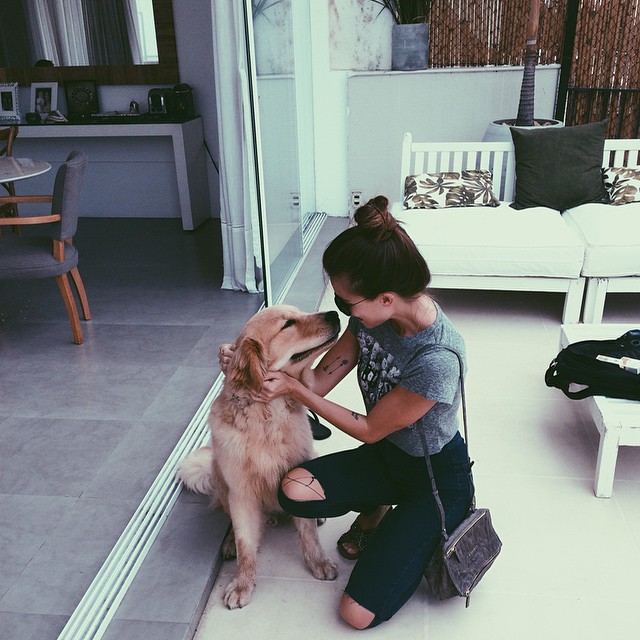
(310, 221)
(257, 148)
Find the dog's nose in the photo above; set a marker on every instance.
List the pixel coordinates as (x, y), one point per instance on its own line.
(332, 318)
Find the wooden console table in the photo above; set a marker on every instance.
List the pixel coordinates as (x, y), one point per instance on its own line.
(188, 154)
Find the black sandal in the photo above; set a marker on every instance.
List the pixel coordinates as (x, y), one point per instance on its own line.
(356, 536)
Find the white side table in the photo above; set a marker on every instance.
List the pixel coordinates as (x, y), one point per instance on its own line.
(618, 421)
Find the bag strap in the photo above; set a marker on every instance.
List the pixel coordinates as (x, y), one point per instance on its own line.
(434, 486)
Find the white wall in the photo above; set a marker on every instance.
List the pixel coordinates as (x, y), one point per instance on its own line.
(433, 105)
(361, 117)
(194, 41)
(329, 116)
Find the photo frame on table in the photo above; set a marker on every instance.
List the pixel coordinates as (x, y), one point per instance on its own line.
(44, 98)
(9, 106)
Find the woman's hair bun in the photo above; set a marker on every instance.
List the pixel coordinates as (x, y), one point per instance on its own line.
(374, 217)
(376, 255)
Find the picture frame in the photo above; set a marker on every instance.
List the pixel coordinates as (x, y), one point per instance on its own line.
(44, 98)
(9, 105)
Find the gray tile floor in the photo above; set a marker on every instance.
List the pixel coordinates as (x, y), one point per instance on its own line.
(85, 429)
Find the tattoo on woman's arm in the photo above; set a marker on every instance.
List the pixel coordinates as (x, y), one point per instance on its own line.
(356, 416)
(333, 366)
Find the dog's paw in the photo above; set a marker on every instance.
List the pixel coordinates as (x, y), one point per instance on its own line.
(324, 569)
(237, 594)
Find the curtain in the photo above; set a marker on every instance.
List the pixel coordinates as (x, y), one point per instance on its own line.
(81, 32)
(107, 32)
(57, 30)
(133, 29)
(238, 190)
(15, 36)
(42, 32)
(70, 31)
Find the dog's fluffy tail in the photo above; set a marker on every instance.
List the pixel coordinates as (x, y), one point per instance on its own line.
(195, 471)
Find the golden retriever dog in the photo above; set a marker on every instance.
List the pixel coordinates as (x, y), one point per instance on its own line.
(253, 444)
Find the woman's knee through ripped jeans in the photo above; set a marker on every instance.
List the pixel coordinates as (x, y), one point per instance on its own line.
(391, 567)
(301, 485)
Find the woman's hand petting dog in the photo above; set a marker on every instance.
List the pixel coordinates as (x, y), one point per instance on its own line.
(276, 384)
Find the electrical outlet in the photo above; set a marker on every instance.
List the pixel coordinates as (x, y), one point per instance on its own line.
(356, 199)
(295, 199)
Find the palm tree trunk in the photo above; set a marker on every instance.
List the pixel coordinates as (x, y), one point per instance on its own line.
(527, 90)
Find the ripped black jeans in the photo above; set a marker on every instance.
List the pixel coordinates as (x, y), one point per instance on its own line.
(391, 567)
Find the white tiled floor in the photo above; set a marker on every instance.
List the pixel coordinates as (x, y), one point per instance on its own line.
(570, 562)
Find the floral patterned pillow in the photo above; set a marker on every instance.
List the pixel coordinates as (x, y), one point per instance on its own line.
(623, 184)
(469, 188)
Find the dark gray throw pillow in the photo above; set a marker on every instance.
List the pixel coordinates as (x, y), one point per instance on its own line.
(559, 167)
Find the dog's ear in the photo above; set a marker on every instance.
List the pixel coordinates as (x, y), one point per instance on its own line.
(247, 368)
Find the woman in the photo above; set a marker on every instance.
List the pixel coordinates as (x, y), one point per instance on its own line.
(380, 278)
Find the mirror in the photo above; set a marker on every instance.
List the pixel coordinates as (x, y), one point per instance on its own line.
(165, 71)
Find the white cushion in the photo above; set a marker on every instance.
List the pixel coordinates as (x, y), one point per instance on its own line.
(498, 241)
(611, 236)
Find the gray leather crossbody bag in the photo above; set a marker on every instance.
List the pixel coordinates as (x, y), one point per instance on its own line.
(466, 554)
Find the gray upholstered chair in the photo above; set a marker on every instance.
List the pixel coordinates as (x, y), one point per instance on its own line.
(29, 256)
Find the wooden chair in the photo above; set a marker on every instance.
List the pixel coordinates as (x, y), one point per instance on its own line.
(28, 256)
(7, 136)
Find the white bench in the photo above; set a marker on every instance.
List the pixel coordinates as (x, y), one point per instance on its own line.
(500, 248)
(617, 421)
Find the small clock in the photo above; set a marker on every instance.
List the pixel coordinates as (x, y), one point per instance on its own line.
(82, 98)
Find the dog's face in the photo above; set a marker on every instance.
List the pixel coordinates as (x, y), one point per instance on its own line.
(280, 338)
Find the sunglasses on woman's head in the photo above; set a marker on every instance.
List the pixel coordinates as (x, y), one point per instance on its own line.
(345, 306)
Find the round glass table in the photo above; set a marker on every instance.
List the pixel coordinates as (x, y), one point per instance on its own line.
(12, 169)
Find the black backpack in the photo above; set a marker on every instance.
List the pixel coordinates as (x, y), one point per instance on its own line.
(577, 364)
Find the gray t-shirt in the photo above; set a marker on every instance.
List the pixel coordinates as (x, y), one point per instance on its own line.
(418, 365)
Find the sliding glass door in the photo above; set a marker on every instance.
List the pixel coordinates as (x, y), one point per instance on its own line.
(279, 46)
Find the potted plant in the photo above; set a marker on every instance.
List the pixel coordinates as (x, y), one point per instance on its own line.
(259, 7)
(410, 37)
(499, 129)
